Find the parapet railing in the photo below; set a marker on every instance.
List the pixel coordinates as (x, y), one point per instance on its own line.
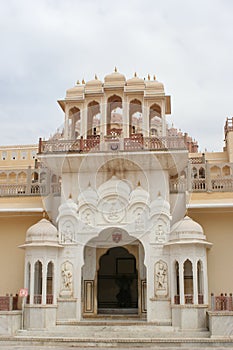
(222, 302)
(28, 182)
(188, 299)
(9, 302)
(131, 144)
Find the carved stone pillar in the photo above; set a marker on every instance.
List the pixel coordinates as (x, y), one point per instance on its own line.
(32, 287)
(44, 283)
(195, 284)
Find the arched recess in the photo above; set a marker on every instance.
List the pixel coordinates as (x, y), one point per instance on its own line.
(3, 177)
(74, 123)
(215, 171)
(135, 117)
(50, 283)
(117, 281)
(12, 177)
(200, 282)
(177, 283)
(93, 119)
(188, 282)
(114, 115)
(226, 170)
(114, 274)
(38, 282)
(155, 121)
(22, 177)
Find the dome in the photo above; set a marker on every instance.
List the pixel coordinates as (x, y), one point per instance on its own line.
(160, 206)
(187, 225)
(114, 79)
(114, 186)
(94, 85)
(68, 206)
(139, 195)
(75, 92)
(42, 232)
(88, 196)
(135, 81)
(186, 231)
(154, 87)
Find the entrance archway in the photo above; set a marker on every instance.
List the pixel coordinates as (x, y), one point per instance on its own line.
(117, 282)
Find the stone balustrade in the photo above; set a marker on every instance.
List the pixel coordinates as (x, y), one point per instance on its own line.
(8, 303)
(222, 302)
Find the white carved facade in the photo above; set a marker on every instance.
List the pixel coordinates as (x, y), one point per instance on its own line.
(119, 241)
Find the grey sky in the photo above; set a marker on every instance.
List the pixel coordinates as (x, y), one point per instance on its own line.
(46, 45)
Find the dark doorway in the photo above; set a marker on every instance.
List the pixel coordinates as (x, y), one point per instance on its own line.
(117, 282)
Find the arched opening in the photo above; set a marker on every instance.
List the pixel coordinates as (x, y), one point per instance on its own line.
(188, 282)
(74, 123)
(117, 286)
(12, 177)
(135, 117)
(93, 119)
(200, 282)
(38, 283)
(49, 284)
(114, 115)
(3, 178)
(201, 173)
(226, 170)
(155, 121)
(177, 284)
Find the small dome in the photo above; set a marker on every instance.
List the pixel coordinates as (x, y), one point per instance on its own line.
(68, 206)
(139, 195)
(94, 82)
(114, 79)
(114, 186)
(135, 81)
(154, 85)
(187, 225)
(42, 232)
(88, 196)
(75, 92)
(160, 206)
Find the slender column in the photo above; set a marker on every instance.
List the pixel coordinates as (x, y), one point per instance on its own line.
(66, 131)
(103, 121)
(32, 287)
(163, 116)
(181, 281)
(54, 283)
(44, 283)
(126, 131)
(83, 115)
(195, 284)
(145, 120)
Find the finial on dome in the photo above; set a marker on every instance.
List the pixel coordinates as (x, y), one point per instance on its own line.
(148, 76)
(115, 69)
(139, 183)
(159, 194)
(70, 196)
(77, 82)
(154, 77)
(96, 78)
(135, 75)
(83, 81)
(44, 214)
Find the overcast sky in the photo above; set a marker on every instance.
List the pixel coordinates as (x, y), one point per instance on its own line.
(47, 45)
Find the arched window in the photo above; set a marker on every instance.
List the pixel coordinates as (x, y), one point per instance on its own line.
(226, 170)
(200, 282)
(22, 177)
(28, 280)
(201, 173)
(188, 282)
(155, 121)
(135, 117)
(114, 115)
(3, 178)
(38, 283)
(74, 123)
(35, 176)
(93, 119)
(12, 177)
(194, 173)
(49, 290)
(177, 284)
(215, 171)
